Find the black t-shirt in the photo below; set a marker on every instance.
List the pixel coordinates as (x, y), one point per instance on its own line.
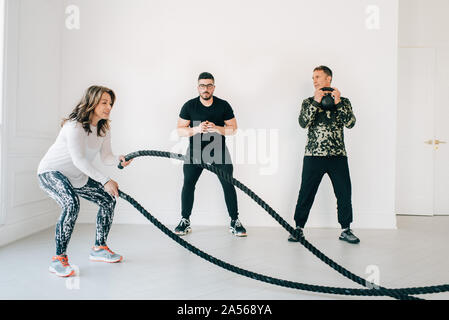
(219, 112)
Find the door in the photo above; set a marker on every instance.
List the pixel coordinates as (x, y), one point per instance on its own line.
(415, 157)
(2, 47)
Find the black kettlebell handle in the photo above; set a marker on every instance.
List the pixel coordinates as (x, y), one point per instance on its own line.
(327, 89)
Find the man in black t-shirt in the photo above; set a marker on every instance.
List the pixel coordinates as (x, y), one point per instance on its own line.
(206, 120)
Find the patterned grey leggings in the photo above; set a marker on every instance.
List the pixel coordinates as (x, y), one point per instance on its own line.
(61, 190)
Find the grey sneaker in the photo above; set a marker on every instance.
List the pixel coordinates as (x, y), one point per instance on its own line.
(104, 254)
(237, 229)
(298, 234)
(60, 266)
(183, 227)
(348, 236)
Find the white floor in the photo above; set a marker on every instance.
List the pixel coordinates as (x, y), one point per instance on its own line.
(155, 267)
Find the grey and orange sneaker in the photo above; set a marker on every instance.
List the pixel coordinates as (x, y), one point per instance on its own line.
(104, 254)
(61, 267)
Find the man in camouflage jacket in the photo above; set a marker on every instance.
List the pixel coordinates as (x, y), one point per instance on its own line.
(325, 153)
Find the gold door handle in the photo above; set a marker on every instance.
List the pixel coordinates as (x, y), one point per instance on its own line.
(428, 142)
(439, 141)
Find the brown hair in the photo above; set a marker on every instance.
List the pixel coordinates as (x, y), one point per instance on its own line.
(86, 106)
(325, 69)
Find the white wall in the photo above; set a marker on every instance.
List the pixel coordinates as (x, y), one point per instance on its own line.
(31, 103)
(262, 54)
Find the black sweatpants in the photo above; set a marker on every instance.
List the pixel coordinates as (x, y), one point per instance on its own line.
(313, 171)
(191, 176)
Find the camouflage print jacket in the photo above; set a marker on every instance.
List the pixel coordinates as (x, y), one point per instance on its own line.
(325, 128)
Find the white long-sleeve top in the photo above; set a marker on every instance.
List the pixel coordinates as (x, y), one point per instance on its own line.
(73, 152)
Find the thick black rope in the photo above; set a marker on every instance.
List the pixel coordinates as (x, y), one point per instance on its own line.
(401, 293)
(240, 271)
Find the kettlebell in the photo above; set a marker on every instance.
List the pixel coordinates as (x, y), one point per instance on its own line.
(327, 102)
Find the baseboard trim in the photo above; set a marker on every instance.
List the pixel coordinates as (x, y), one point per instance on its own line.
(364, 220)
(24, 228)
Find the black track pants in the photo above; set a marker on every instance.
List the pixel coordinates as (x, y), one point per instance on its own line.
(313, 171)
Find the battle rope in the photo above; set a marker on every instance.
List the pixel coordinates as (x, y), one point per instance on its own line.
(250, 274)
(374, 290)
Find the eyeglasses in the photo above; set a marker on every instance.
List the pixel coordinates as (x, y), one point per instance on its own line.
(204, 86)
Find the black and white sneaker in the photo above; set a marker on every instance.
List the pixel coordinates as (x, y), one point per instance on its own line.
(183, 227)
(237, 229)
(348, 236)
(298, 234)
